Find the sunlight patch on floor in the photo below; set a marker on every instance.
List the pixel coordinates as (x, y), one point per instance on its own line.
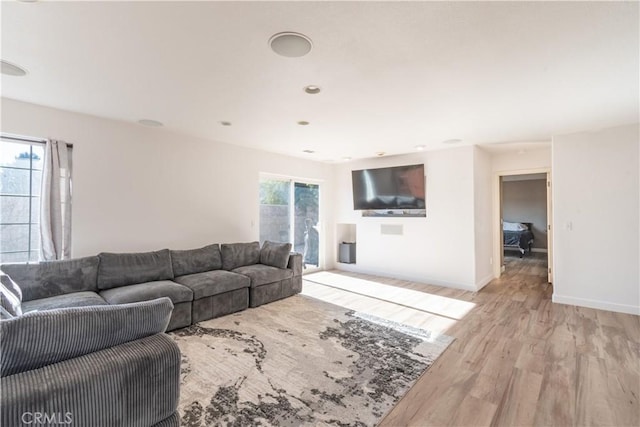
(376, 307)
(423, 301)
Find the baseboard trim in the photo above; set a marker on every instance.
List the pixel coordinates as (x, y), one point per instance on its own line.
(599, 305)
(484, 282)
(427, 281)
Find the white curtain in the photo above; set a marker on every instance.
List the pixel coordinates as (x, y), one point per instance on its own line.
(55, 202)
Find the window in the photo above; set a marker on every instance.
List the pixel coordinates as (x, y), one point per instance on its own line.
(21, 162)
(289, 212)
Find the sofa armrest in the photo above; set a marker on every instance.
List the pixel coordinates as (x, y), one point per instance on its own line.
(132, 384)
(295, 263)
(41, 338)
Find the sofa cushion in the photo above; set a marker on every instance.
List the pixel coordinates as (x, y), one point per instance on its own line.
(263, 274)
(42, 338)
(196, 260)
(10, 297)
(213, 282)
(275, 254)
(136, 383)
(51, 278)
(236, 255)
(148, 291)
(74, 299)
(131, 268)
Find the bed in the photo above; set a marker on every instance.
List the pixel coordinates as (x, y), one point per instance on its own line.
(517, 235)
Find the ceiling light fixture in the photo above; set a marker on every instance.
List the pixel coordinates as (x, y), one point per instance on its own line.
(308, 151)
(151, 123)
(346, 158)
(10, 69)
(225, 123)
(420, 147)
(312, 90)
(451, 141)
(290, 44)
(380, 153)
(303, 123)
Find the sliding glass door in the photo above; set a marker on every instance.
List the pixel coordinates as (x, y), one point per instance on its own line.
(290, 212)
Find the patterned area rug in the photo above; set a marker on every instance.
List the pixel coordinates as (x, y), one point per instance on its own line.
(299, 361)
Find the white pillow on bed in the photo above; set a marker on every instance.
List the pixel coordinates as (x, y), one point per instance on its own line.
(513, 226)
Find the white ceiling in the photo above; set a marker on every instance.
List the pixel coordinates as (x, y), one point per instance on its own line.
(393, 74)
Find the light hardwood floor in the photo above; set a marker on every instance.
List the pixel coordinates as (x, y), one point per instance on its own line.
(518, 359)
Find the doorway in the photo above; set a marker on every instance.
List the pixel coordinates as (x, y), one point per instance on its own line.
(290, 212)
(523, 240)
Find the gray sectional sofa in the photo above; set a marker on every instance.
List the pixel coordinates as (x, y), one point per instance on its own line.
(90, 366)
(201, 283)
(81, 334)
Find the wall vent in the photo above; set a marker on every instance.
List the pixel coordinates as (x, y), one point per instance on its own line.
(395, 229)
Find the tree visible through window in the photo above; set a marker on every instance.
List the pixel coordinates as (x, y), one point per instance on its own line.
(20, 179)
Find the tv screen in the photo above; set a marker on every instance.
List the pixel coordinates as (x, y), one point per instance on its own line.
(400, 187)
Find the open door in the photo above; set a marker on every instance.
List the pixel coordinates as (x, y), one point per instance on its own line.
(549, 232)
(500, 195)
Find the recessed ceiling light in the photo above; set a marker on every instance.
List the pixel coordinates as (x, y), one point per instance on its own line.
(289, 44)
(225, 123)
(10, 69)
(303, 123)
(346, 158)
(308, 151)
(312, 90)
(380, 153)
(451, 141)
(152, 123)
(420, 147)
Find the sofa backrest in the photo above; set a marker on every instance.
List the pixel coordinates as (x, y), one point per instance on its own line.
(193, 261)
(124, 269)
(236, 255)
(275, 254)
(41, 338)
(52, 278)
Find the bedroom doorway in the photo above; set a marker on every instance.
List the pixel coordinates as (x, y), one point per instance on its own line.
(523, 223)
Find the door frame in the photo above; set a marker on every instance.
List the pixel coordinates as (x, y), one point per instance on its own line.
(498, 253)
(321, 204)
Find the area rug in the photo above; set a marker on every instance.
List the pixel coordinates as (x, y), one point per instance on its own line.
(299, 361)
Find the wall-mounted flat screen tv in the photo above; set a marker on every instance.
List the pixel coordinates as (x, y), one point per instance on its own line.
(400, 187)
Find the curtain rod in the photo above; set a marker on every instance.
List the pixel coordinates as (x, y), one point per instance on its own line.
(26, 139)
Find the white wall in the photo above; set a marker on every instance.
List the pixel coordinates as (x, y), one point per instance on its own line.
(514, 161)
(438, 249)
(139, 189)
(596, 196)
(482, 200)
